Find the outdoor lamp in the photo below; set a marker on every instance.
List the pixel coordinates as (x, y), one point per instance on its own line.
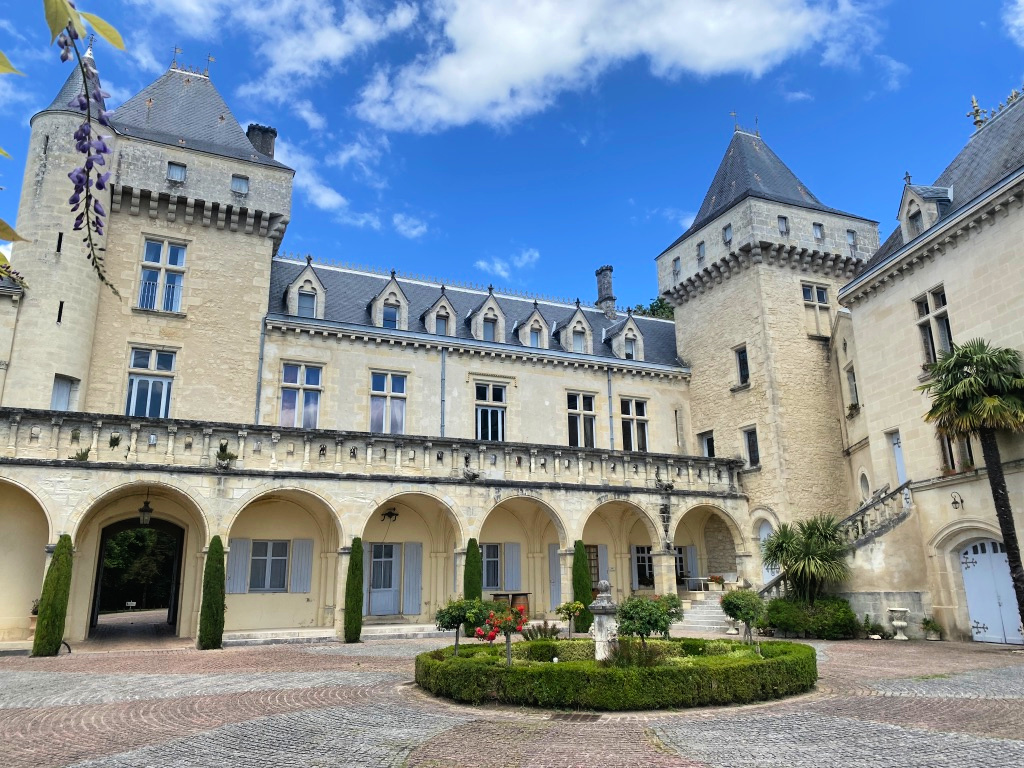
(145, 511)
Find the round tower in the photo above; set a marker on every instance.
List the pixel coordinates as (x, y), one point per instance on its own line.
(49, 365)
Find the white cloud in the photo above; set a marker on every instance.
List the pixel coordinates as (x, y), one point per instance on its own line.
(307, 112)
(503, 268)
(496, 63)
(319, 193)
(677, 216)
(797, 96)
(363, 154)
(894, 70)
(1013, 17)
(118, 95)
(409, 226)
(137, 47)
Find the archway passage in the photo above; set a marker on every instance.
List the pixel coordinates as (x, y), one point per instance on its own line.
(621, 541)
(138, 580)
(24, 532)
(991, 602)
(705, 545)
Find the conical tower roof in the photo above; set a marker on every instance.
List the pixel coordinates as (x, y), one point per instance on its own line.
(751, 169)
(73, 87)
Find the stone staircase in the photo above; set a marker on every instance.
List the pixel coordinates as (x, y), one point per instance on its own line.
(704, 613)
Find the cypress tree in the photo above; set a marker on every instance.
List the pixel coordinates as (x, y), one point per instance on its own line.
(211, 613)
(473, 578)
(354, 593)
(582, 587)
(53, 603)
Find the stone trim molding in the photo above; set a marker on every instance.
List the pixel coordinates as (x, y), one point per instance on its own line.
(764, 252)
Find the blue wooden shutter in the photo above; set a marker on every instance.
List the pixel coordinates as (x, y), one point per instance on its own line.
(513, 581)
(413, 578)
(302, 565)
(602, 562)
(237, 581)
(367, 564)
(555, 575)
(692, 569)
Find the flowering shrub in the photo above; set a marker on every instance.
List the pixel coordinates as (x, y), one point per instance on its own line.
(569, 612)
(502, 623)
(716, 579)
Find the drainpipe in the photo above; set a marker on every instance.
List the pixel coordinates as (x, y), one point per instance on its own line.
(259, 370)
(611, 411)
(444, 358)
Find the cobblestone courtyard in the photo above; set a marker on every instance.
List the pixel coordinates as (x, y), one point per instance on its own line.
(912, 704)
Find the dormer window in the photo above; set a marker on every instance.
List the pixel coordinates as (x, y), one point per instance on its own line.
(535, 337)
(307, 304)
(579, 341)
(727, 234)
(630, 349)
(441, 325)
(176, 172)
(490, 329)
(240, 184)
(916, 222)
(390, 317)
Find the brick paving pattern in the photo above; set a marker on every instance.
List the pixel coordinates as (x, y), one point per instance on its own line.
(305, 706)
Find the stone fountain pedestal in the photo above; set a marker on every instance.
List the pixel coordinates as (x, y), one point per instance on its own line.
(605, 625)
(898, 619)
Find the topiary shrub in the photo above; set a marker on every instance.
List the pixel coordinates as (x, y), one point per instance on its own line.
(354, 593)
(455, 614)
(642, 617)
(788, 616)
(473, 576)
(53, 603)
(743, 605)
(832, 618)
(211, 612)
(582, 587)
(689, 680)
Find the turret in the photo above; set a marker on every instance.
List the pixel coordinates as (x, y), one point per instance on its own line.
(49, 363)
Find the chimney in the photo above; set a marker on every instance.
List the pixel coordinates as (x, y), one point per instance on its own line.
(262, 137)
(605, 297)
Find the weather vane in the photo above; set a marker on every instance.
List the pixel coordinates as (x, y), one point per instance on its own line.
(209, 60)
(175, 52)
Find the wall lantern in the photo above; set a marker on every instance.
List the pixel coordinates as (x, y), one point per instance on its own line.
(145, 511)
(958, 501)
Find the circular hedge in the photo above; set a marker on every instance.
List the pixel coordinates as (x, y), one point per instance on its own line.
(688, 676)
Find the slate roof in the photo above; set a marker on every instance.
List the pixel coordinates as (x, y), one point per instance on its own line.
(931, 193)
(751, 169)
(72, 87)
(350, 292)
(993, 152)
(184, 109)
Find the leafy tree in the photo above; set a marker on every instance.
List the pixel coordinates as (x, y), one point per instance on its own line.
(569, 612)
(642, 617)
(138, 558)
(455, 614)
(53, 603)
(473, 575)
(811, 554)
(354, 593)
(978, 389)
(658, 307)
(582, 586)
(744, 605)
(211, 612)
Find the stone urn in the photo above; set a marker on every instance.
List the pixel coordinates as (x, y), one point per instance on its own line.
(898, 619)
(604, 626)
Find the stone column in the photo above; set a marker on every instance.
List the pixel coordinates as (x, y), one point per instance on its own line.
(565, 564)
(664, 571)
(604, 620)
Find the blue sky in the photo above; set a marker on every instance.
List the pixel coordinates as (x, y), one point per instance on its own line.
(527, 143)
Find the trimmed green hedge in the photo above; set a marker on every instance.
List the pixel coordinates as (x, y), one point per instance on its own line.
(830, 618)
(479, 674)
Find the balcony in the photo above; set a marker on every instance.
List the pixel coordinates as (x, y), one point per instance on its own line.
(32, 436)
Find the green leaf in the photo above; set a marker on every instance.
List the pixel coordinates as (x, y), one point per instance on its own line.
(4, 153)
(6, 68)
(58, 14)
(104, 30)
(7, 233)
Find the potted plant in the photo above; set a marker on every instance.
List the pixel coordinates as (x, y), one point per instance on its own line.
(932, 628)
(224, 457)
(33, 617)
(716, 583)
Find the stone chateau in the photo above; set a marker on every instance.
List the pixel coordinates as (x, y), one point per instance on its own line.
(417, 415)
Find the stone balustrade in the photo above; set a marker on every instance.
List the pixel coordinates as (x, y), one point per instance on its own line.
(35, 435)
(877, 515)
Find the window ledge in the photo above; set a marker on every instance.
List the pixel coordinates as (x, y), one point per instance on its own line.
(740, 387)
(160, 312)
(750, 470)
(925, 376)
(819, 337)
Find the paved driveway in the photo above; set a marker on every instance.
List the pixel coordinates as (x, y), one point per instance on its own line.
(882, 703)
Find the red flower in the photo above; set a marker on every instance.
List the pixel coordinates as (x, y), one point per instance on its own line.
(491, 635)
(522, 609)
(519, 628)
(479, 631)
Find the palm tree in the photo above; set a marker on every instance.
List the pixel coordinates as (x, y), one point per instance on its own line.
(979, 389)
(811, 555)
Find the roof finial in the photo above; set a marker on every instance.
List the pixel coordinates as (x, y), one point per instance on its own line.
(392, 274)
(977, 113)
(535, 304)
(88, 51)
(442, 289)
(735, 125)
(309, 258)
(175, 52)
(906, 178)
(209, 61)
(757, 126)
(490, 288)
(577, 302)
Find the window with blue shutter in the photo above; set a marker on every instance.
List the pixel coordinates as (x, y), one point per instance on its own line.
(238, 566)
(302, 565)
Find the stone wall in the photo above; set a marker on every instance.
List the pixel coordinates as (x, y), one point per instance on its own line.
(721, 551)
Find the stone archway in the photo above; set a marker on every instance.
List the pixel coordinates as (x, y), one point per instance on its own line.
(410, 568)
(623, 544)
(118, 509)
(707, 543)
(24, 534)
